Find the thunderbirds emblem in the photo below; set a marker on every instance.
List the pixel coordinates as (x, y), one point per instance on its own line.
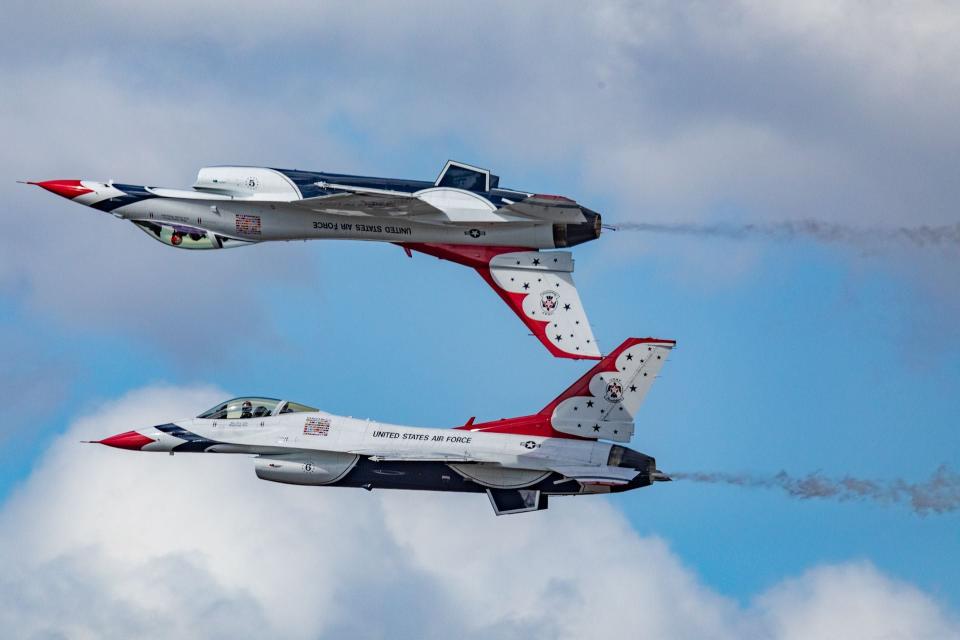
(548, 301)
(614, 392)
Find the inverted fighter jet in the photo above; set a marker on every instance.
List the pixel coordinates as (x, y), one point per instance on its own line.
(564, 449)
(463, 216)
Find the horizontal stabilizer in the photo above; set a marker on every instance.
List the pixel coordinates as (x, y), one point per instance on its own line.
(556, 209)
(605, 475)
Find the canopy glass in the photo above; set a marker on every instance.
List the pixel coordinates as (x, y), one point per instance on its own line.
(253, 407)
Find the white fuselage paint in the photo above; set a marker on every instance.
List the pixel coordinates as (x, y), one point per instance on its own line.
(299, 432)
(218, 214)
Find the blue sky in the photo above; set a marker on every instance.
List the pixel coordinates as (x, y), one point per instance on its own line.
(791, 355)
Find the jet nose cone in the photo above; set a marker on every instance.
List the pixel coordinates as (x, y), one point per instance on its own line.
(69, 189)
(128, 440)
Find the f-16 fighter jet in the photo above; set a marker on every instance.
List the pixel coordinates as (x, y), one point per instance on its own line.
(463, 216)
(563, 449)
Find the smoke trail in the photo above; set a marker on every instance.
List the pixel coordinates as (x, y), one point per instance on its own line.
(940, 494)
(826, 232)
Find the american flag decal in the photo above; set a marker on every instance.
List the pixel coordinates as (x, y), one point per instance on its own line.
(248, 225)
(316, 426)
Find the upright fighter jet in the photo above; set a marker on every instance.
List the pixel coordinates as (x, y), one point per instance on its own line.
(563, 449)
(463, 216)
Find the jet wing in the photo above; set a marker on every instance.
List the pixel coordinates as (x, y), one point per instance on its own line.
(367, 202)
(537, 286)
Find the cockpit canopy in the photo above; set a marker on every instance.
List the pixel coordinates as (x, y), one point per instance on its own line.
(253, 407)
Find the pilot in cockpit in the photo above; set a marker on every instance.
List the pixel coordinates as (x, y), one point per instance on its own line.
(247, 410)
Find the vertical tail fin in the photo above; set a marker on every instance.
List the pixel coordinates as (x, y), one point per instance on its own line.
(603, 402)
(537, 286)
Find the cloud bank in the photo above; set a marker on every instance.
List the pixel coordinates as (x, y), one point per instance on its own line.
(104, 543)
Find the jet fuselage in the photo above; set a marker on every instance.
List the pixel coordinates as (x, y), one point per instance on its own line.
(321, 449)
(463, 216)
(564, 449)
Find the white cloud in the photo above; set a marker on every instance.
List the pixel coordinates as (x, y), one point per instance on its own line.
(106, 543)
(851, 601)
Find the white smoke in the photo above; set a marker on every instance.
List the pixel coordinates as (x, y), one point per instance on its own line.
(939, 494)
(825, 232)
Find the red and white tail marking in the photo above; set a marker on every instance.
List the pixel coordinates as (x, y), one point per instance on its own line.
(542, 293)
(603, 403)
(537, 286)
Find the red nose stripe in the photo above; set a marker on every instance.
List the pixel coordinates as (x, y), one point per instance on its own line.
(66, 188)
(128, 440)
